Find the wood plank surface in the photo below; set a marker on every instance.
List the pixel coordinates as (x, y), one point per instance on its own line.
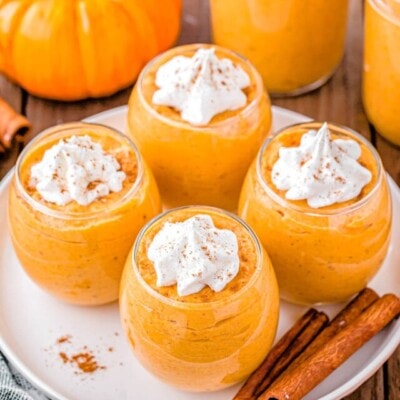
(338, 101)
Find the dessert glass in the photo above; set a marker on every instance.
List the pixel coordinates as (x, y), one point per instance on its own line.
(381, 72)
(322, 255)
(74, 252)
(198, 164)
(296, 45)
(207, 340)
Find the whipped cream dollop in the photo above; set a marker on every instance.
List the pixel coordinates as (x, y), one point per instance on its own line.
(76, 169)
(321, 170)
(193, 254)
(201, 86)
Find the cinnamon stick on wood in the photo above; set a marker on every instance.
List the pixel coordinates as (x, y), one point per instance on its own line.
(11, 124)
(308, 374)
(248, 390)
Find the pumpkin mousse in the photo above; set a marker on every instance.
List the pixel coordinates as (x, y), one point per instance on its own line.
(296, 45)
(80, 194)
(318, 199)
(381, 73)
(199, 300)
(199, 114)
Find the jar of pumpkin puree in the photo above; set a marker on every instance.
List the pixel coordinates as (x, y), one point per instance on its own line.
(381, 72)
(80, 194)
(199, 114)
(296, 45)
(199, 300)
(318, 199)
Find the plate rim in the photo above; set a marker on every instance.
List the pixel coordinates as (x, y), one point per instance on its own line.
(390, 343)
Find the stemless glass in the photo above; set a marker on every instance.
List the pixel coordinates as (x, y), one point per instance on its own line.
(77, 253)
(295, 44)
(381, 72)
(198, 164)
(205, 341)
(322, 255)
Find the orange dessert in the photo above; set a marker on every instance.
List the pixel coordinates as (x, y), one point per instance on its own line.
(381, 74)
(72, 237)
(327, 246)
(295, 44)
(207, 337)
(200, 154)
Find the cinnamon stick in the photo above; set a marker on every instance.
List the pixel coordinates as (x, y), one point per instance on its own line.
(309, 373)
(348, 314)
(248, 390)
(298, 346)
(11, 124)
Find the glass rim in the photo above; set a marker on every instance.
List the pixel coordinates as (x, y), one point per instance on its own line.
(384, 9)
(180, 304)
(248, 108)
(322, 211)
(58, 130)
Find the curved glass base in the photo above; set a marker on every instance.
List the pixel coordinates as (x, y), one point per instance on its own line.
(304, 89)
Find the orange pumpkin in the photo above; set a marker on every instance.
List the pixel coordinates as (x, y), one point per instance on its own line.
(73, 49)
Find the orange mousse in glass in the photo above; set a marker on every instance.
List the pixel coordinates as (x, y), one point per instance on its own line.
(204, 340)
(199, 162)
(381, 72)
(321, 254)
(76, 251)
(296, 45)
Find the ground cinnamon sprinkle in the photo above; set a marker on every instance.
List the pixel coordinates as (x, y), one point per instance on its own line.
(63, 357)
(63, 339)
(84, 360)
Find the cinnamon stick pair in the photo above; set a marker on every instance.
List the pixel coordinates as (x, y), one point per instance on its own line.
(289, 346)
(11, 124)
(309, 352)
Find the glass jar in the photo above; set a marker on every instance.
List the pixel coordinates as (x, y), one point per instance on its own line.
(198, 164)
(296, 45)
(207, 340)
(381, 72)
(320, 255)
(74, 252)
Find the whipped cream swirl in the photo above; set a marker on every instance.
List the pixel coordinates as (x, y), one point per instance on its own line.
(201, 86)
(321, 170)
(76, 169)
(193, 254)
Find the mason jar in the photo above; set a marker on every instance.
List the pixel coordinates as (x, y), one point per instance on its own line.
(381, 71)
(296, 45)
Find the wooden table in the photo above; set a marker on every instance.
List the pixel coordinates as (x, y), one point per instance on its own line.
(338, 101)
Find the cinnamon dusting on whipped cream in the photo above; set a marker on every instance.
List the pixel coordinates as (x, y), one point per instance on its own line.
(201, 86)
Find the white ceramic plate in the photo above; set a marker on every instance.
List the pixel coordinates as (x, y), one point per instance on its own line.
(31, 322)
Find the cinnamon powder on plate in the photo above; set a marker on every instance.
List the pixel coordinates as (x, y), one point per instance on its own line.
(84, 360)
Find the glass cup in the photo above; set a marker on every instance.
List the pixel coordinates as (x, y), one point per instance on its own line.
(296, 45)
(381, 72)
(208, 340)
(74, 252)
(198, 164)
(322, 255)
